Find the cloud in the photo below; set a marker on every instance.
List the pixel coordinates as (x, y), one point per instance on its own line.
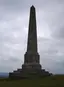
(14, 20)
(51, 55)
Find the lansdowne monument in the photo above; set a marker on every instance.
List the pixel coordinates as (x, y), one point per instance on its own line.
(31, 64)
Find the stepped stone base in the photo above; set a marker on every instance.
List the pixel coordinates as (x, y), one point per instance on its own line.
(28, 71)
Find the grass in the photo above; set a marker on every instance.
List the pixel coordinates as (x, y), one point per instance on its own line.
(52, 81)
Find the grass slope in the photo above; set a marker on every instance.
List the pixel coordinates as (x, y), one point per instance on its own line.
(53, 81)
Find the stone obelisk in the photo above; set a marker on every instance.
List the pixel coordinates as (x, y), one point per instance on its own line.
(32, 59)
(31, 64)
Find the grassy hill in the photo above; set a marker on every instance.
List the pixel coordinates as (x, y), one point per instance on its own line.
(53, 81)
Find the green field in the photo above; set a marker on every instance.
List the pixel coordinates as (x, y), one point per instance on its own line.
(53, 81)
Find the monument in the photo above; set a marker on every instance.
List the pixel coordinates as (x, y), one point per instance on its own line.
(31, 66)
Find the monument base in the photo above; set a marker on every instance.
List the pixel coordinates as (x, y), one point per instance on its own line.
(31, 66)
(28, 71)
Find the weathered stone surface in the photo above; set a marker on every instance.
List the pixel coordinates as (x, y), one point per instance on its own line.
(32, 60)
(31, 66)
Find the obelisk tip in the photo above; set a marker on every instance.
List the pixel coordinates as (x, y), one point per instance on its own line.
(32, 6)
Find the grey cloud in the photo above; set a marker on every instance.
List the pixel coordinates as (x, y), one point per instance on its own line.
(5, 69)
(22, 4)
(14, 59)
(14, 27)
(59, 33)
(51, 55)
(53, 63)
(10, 64)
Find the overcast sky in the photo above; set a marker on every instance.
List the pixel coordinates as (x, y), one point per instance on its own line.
(14, 20)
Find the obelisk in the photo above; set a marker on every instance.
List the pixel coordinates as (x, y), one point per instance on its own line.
(31, 66)
(32, 32)
(31, 58)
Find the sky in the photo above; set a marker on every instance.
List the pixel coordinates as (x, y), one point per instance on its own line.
(14, 22)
